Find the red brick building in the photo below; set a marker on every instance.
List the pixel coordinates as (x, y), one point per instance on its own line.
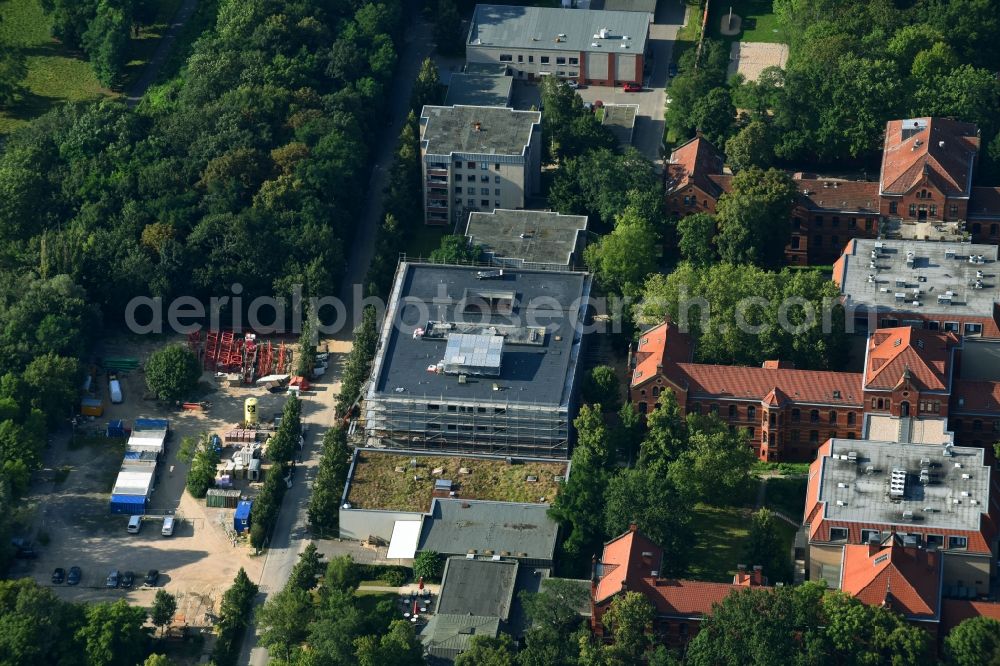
(909, 373)
(631, 562)
(787, 413)
(924, 191)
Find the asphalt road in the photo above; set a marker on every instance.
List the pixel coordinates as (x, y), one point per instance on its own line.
(152, 70)
(291, 533)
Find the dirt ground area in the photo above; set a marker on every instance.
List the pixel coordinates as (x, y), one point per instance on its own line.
(70, 499)
(751, 58)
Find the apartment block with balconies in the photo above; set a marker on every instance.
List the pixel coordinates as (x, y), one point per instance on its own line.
(477, 158)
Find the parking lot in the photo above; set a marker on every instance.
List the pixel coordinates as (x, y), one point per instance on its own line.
(73, 526)
(649, 122)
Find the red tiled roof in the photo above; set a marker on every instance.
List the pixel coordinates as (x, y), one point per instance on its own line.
(623, 562)
(724, 181)
(691, 163)
(906, 579)
(660, 347)
(984, 202)
(833, 194)
(685, 598)
(894, 351)
(955, 611)
(940, 148)
(814, 386)
(975, 396)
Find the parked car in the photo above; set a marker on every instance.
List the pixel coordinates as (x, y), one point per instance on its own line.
(632, 87)
(128, 578)
(168, 526)
(672, 69)
(23, 549)
(58, 576)
(113, 579)
(152, 578)
(573, 84)
(134, 524)
(75, 574)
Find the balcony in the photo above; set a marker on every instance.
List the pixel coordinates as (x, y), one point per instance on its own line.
(437, 207)
(437, 172)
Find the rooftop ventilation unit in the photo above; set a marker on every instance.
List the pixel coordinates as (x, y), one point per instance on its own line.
(966, 476)
(964, 493)
(907, 515)
(852, 456)
(841, 503)
(910, 258)
(897, 483)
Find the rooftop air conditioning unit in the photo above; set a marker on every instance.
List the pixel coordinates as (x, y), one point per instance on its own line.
(966, 476)
(841, 503)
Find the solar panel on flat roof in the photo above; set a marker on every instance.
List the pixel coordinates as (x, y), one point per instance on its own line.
(473, 354)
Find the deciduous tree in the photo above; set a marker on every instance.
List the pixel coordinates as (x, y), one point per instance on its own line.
(172, 372)
(164, 607)
(975, 641)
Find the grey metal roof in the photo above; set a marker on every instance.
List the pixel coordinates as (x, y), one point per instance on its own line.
(861, 490)
(450, 633)
(648, 6)
(477, 587)
(476, 89)
(558, 29)
(529, 373)
(533, 236)
(938, 268)
(508, 529)
(480, 130)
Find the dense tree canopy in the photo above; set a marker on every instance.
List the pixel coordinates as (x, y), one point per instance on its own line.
(752, 315)
(852, 66)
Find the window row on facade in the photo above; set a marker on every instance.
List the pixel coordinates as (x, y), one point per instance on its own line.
(953, 542)
(967, 328)
(544, 60)
(483, 166)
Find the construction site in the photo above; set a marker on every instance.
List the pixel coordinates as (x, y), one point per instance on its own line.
(492, 371)
(242, 358)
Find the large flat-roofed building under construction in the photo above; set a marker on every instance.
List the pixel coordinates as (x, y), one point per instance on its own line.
(478, 360)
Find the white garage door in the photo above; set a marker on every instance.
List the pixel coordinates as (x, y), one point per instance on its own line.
(624, 67)
(597, 66)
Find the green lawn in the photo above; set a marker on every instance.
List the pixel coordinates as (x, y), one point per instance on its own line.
(720, 533)
(55, 73)
(759, 23)
(58, 74)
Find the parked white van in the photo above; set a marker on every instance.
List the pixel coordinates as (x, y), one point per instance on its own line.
(134, 524)
(168, 526)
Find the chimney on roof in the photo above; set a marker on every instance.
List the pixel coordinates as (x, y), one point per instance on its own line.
(633, 527)
(940, 144)
(478, 126)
